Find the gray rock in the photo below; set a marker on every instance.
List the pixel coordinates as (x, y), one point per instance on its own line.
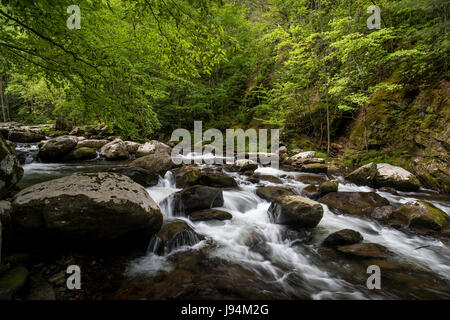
(86, 207)
(296, 211)
(10, 169)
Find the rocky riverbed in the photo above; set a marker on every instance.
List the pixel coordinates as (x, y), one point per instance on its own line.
(141, 227)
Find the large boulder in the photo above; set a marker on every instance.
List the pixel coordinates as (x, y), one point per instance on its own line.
(10, 169)
(384, 175)
(295, 211)
(364, 175)
(132, 146)
(151, 147)
(328, 186)
(55, 149)
(422, 215)
(144, 177)
(314, 168)
(396, 177)
(216, 179)
(197, 198)
(271, 193)
(159, 162)
(173, 235)
(343, 237)
(115, 150)
(311, 192)
(303, 155)
(92, 143)
(86, 207)
(354, 203)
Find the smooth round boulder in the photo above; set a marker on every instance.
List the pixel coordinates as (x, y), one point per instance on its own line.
(86, 207)
(10, 169)
(216, 179)
(243, 165)
(295, 211)
(151, 147)
(314, 168)
(197, 198)
(354, 203)
(25, 134)
(159, 162)
(396, 177)
(343, 237)
(270, 193)
(55, 149)
(364, 175)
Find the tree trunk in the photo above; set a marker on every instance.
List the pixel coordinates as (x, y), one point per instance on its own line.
(1, 99)
(365, 129)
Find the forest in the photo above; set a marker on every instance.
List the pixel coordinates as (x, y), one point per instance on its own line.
(91, 92)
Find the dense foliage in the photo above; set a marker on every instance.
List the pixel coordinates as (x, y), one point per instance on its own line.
(147, 67)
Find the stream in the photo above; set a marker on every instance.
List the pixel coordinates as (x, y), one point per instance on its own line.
(299, 267)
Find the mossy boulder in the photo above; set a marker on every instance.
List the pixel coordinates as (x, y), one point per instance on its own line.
(314, 168)
(159, 162)
(83, 153)
(55, 149)
(186, 176)
(10, 169)
(420, 214)
(329, 186)
(12, 281)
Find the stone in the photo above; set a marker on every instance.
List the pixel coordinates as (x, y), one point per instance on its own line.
(86, 207)
(328, 186)
(365, 250)
(396, 177)
(10, 169)
(173, 235)
(314, 168)
(354, 203)
(12, 281)
(243, 165)
(343, 237)
(271, 193)
(210, 214)
(144, 177)
(55, 149)
(151, 147)
(195, 198)
(83, 153)
(159, 162)
(419, 214)
(295, 211)
(115, 150)
(311, 192)
(92, 143)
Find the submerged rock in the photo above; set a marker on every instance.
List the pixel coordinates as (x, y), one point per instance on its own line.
(295, 211)
(210, 214)
(10, 169)
(365, 250)
(86, 207)
(173, 235)
(354, 203)
(271, 193)
(343, 237)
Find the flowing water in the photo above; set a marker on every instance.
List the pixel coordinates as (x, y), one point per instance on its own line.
(295, 264)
